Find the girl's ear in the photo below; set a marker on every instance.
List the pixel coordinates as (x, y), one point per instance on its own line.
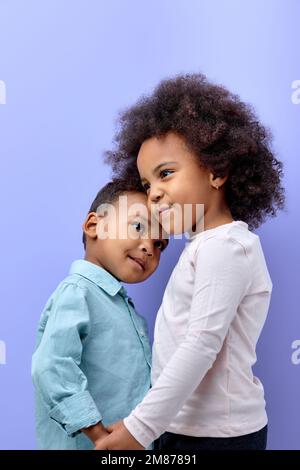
(89, 226)
(217, 181)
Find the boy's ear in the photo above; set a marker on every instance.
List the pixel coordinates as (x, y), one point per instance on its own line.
(89, 226)
(217, 181)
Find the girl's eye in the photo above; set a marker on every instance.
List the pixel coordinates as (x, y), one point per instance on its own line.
(146, 186)
(165, 173)
(162, 174)
(139, 227)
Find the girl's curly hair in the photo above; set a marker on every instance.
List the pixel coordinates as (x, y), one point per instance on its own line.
(219, 128)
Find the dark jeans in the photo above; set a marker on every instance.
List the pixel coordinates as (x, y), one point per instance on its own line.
(254, 441)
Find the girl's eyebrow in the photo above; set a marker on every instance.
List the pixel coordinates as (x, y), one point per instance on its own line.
(159, 166)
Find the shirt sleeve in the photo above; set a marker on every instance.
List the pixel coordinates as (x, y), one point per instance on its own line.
(56, 371)
(221, 280)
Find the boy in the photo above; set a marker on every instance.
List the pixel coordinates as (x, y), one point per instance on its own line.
(91, 366)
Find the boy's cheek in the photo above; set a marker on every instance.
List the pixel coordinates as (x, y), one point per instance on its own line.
(154, 266)
(149, 271)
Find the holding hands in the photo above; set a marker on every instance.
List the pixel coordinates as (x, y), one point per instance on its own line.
(118, 438)
(114, 437)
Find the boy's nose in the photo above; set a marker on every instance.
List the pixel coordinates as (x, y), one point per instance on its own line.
(148, 252)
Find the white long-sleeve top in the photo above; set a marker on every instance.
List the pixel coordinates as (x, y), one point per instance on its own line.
(212, 313)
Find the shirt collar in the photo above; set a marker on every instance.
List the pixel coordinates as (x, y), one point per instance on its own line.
(205, 233)
(99, 276)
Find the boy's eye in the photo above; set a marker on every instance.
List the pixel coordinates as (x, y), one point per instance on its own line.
(139, 227)
(160, 245)
(165, 173)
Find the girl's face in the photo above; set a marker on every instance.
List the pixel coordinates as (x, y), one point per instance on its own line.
(173, 177)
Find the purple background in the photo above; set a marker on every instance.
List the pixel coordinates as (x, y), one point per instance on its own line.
(69, 67)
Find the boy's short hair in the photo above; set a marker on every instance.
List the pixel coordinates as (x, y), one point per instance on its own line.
(222, 131)
(111, 191)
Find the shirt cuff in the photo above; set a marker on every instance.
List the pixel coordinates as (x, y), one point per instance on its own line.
(138, 430)
(76, 412)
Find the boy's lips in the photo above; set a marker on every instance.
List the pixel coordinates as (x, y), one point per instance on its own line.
(139, 262)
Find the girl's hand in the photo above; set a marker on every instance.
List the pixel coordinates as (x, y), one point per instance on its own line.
(118, 439)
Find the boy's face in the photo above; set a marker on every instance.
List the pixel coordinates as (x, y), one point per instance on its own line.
(120, 240)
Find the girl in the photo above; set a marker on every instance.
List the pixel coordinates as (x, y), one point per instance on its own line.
(192, 142)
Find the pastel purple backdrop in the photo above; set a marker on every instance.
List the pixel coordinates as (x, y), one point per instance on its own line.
(68, 68)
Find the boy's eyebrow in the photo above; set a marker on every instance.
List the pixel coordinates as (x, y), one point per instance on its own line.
(159, 166)
(137, 214)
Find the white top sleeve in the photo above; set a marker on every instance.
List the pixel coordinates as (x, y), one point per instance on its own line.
(221, 281)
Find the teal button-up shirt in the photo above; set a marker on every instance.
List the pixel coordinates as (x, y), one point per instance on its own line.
(92, 358)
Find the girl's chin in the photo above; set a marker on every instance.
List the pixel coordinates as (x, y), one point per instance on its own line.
(172, 228)
(174, 224)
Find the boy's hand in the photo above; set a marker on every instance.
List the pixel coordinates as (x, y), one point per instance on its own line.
(96, 432)
(118, 439)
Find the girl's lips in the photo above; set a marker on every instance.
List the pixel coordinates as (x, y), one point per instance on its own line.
(163, 212)
(163, 209)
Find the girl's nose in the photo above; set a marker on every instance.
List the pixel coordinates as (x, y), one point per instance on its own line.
(155, 195)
